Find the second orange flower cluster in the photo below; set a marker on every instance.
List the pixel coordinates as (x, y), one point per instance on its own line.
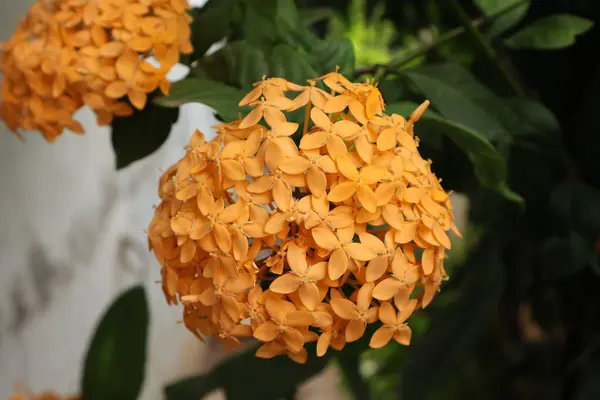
(69, 53)
(258, 236)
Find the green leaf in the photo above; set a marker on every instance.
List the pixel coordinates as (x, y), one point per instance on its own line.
(116, 357)
(242, 376)
(211, 24)
(565, 256)
(286, 62)
(313, 15)
(457, 328)
(248, 64)
(459, 97)
(141, 134)
(335, 52)
(222, 98)
(549, 33)
(505, 14)
(577, 203)
(490, 166)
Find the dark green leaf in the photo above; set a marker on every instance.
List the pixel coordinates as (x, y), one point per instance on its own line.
(490, 166)
(549, 33)
(211, 24)
(335, 52)
(566, 256)
(288, 63)
(533, 118)
(577, 203)
(242, 376)
(248, 64)
(392, 89)
(141, 134)
(510, 13)
(222, 98)
(459, 97)
(116, 357)
(456, 329)
(313, 15)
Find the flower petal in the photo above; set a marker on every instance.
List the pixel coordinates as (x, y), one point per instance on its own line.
(355, 330)
(267, 331)
(309, 295)
(338, 264)
(286, 284)
(387, 288)
(344, 308)
(403, 335)
(381, 337)
(341, 192)
(325, 238)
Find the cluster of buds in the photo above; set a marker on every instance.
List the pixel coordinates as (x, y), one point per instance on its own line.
(66, 54)
(295, 242)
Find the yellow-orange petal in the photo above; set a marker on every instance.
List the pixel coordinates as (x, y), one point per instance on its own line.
(386, 139)
(386, 289)
(381, 337)
(309, 295)
(344, 308)
(366, 197)
(267, 331)
(323, 343)
(342, 192)
(286, 284)
(116, 89)
(355, 330)
(376, 268)
(299, 319)
(403, 335)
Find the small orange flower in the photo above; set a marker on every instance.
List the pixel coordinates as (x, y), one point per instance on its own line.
(292, 244)
(66, 54)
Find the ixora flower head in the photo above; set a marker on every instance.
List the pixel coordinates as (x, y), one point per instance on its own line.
(69, 53)
(290, 244)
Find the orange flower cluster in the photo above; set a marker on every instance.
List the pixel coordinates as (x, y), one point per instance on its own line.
(69, 53)
(259, 236)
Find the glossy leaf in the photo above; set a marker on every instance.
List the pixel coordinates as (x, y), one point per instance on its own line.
(459, 97)
(116, 357)
(248, 64)
(490, 166)
(335, 52)
(222, 98)
(211, 24)
(142, 133)
(290, 63)
(505, 14)
(549, 33)
(240, 376)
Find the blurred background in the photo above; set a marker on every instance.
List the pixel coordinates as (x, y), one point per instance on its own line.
(520, 317)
